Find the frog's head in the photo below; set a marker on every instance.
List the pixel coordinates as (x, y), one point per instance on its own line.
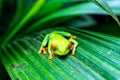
(62, 49)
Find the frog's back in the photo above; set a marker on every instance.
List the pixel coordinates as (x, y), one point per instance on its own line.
(58, 40)
(57, 37)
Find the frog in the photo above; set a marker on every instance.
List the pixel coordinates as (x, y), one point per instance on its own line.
(58, 43)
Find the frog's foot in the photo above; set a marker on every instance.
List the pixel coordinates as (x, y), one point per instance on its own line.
(72, 53)
(40, 51)
(43, 49)
(51, 56)
(73, 37)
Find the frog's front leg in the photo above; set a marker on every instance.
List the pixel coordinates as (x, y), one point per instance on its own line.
(73, 45)
(51, 48)
(43, 47)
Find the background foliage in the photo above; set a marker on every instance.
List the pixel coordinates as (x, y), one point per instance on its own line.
(24, 23)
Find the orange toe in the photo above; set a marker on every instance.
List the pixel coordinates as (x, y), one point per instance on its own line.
(72, 53)
(40, 51)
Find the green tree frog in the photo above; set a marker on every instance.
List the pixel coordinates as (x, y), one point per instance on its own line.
(58, 43)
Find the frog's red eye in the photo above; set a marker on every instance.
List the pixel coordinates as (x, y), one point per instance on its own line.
(53, 47)
(70, 45)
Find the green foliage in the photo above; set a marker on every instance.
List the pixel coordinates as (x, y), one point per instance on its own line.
(75, 10)
(103, 4)
(96, 58)
(29, 15)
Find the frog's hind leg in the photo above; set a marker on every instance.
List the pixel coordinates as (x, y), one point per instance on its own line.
(73, 45)
(43, 47)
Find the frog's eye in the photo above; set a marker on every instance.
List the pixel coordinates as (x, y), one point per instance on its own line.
(53, 47)
(70, 45)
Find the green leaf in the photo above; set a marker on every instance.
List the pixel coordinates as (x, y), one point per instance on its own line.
(103, 4)
(96, 58)
(20, 8)
(84, 8)
(79, 9)
(28, 16)
(81, 22)
(50, 7)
